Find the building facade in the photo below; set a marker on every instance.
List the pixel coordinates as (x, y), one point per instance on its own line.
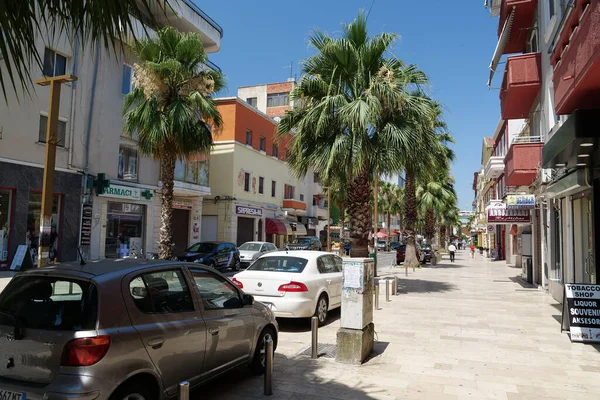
(124, 218)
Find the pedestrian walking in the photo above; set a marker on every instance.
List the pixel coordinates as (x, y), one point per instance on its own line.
(452, 250)
(472, 250)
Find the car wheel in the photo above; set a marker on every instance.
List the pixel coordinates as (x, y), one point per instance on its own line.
(236, 265)
(213, 265)
(132, 392)
(258, 361)
(321, 309)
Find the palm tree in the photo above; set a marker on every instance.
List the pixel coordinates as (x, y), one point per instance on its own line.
(170, 109)
(432, 198)
(356, 108)
(95, 21)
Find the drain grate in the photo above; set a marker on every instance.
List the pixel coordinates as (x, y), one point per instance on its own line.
(325, 350)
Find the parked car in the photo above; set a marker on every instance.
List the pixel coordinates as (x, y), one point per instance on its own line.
(219, 255)
(381, 245)
(395, 246)
(295, 284)
(427, 252)
(401, 253)
(125, 329)
(250, 251)
(305, 243)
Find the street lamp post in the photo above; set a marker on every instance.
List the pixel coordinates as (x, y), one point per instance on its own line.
(49, 163)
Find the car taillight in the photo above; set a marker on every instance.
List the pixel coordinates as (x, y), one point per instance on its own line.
(238, 283)
(293, 287)
(83, 352)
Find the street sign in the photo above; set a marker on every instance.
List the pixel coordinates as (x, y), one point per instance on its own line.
(581, 312)
(490, 228)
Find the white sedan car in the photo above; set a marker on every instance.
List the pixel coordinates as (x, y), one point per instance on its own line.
(296, 284)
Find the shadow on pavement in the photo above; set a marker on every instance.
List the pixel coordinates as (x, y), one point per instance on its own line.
(294, 378)
(303, 324)
(520, 281)
(421, 286)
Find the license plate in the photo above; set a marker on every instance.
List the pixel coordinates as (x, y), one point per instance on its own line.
(6, 395)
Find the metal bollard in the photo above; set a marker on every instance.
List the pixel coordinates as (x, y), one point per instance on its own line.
(184, 390)
(395, 287)
(268, 367)
(377, 294)
(314, 326)
(387, 290)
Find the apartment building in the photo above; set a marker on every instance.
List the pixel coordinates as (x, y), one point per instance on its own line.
(125, 217)
(545, 152)
(254, 195)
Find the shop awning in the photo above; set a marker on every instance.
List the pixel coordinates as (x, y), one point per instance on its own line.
(299, 230)
(276, 227)
(502, 41)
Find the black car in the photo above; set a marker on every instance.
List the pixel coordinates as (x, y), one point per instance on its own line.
(395, 246)
(219, 255)
(305, 243)
(427, 252)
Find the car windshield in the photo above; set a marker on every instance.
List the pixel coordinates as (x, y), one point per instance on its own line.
(279, 264)
(301, 241)
(381, 242)
(251, 246)
(49, 303)
(426, 247)
(202, 247)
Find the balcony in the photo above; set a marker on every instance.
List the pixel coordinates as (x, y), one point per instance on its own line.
(521, 24)
(294, 206)
(576, 59)
(520, 86)
(523, 160)
(494, 167)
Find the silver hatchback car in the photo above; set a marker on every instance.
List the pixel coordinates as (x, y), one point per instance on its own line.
(127, 329)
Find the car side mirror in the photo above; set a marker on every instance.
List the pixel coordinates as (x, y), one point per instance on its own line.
(248, 300)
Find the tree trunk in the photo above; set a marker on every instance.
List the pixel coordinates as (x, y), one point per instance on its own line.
(359, 210)
(429, 225)
(342, 208)
(167, 168)
(410, 218)
(443, 237)
(389, 223)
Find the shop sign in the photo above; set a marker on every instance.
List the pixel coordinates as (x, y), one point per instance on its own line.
(123, 192)
(86, 225)
(520, 201)
(497, 213)
(244, 210)
(182, 204)
(581, 312)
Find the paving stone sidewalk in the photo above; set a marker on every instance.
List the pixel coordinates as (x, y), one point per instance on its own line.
(465, 330)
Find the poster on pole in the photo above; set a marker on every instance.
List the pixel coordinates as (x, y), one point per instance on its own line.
(581, 312)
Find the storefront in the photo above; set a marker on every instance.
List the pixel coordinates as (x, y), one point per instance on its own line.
(278, 231)
(20, 209)
(123, 222)
(248, 219)
(503, 230)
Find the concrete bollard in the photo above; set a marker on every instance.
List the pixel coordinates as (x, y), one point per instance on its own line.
(387, 290)
(184, 390)
(268, 367)
(377, 295)
(314, 326)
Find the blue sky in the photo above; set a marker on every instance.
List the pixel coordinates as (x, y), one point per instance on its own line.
(451, 40)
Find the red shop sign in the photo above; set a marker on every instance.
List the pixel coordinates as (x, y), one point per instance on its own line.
(499, 214)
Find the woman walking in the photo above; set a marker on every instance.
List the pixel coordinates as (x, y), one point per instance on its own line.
(472, 250)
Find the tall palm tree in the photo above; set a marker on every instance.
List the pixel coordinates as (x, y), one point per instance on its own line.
(23, 21)
(170, 111)
(433, 197)
(356, 108)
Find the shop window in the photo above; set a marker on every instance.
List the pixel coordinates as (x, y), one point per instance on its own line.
(5, 213)
(60, 134)
(195, 172)
(128, 163)
(54, 63)
(34, 211)
(261, 185)
(246, 181)
(124, 230)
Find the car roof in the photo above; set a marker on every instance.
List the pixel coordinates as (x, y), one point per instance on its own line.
(307, 254)
(100, 267)
(256, 242)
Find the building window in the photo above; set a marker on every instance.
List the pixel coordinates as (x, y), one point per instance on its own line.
(262, 143)
(278, 99)
(194, 172)
(288, 192)
(314, 200)
(127, 79)
(301, 197)
(261, 185)
(253, 101)
(552, 8)
(60, 134)
(246, 181)
(248, 137)
(54, 64)
(128, 163)
(274, 150)
(273, 189)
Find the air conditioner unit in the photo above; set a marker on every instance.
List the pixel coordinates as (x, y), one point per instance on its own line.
(546, 175)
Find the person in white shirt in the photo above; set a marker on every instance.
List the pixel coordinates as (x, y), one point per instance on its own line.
(451, 250)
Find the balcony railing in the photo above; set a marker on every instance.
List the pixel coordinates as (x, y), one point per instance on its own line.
(527, 139)
(294, 205)
(208, 19)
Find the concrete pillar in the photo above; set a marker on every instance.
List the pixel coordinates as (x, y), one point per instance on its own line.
(356, 337)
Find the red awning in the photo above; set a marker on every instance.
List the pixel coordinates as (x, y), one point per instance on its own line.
(275, 227)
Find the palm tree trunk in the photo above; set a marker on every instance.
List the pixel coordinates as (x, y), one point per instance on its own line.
(167, 167)
(429, 225)
(410, 218)
(389, 221)
(442, 236)
(359, 210)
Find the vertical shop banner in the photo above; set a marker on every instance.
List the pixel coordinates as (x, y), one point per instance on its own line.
(86, 225)
(581, 312)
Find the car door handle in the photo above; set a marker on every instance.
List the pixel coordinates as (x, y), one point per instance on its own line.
(213, 331)
(156, 343)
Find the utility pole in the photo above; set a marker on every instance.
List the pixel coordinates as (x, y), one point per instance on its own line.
(49, 163)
